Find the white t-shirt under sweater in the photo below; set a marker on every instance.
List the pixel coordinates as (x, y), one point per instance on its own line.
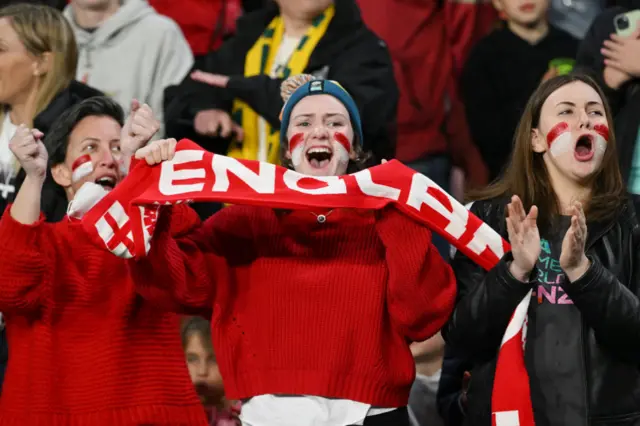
(275, 410)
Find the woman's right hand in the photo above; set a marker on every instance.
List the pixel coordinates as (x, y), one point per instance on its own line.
(26, 144)
(523, 237)
(157, 151)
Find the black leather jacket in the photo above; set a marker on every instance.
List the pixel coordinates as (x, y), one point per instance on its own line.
(606, 296)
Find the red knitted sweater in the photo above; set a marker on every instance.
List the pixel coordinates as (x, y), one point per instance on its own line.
(304, 308)
(84, 348)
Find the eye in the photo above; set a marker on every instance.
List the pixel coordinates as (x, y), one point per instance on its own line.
(565, 112)
(336, 124)
(90, 147)
(192, 358)
(596, 112)
(304, 124)
(116, 148)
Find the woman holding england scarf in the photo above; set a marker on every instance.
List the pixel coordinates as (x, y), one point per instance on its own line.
(312, 311)
(575, 246)
(237, 92)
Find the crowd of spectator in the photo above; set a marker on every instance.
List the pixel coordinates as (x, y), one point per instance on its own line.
(440, 86)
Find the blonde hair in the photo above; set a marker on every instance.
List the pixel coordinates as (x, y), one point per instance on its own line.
(43, 29)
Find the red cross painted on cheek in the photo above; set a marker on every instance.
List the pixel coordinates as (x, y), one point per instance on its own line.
(556, 131)
(343, 140)
(295, 140)
(602, 130)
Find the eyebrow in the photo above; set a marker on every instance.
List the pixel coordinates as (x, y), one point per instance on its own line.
(90, 139)
(590, 103)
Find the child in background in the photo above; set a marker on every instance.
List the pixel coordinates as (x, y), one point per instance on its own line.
(204, 372)
(504, 68)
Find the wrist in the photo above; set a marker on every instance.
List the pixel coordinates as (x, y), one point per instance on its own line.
(575, 273)
(34, 181)
(519, 273)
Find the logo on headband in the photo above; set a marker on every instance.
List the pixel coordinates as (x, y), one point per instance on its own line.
(316, 86)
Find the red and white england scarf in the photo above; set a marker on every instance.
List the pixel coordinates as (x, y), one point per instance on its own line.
(123, 221)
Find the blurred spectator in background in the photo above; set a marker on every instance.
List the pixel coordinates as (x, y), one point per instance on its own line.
(205, 23)
(504, 69)
(241, 96)
(422, 399)
(614, 61)
(575, 16)
(452, 389)
(128, 50)
(432, 133)
(38, 59)
(205, 374)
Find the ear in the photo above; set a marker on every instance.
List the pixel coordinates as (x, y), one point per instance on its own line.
(353, 154)
(43, 64)
(61, 175)
(538, 141)
(287, 154)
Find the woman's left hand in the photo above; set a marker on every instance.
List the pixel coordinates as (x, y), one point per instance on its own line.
(573, 259)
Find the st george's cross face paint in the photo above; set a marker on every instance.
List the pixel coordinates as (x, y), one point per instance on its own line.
(341, 148)
(81, 168)
(561, 141)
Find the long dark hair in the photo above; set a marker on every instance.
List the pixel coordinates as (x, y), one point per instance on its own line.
(526, 174)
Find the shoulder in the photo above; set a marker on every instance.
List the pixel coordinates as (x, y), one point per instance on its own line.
(160, 26)
(491, 211)
(74, 93)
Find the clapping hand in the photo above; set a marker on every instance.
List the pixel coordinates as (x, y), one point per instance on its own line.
(523, 237)
(573, 260)
(27, 146)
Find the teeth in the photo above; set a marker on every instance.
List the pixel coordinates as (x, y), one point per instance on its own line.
(319, 149)
(107, 180)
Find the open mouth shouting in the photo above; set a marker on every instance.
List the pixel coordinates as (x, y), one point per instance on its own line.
(584, 148)
(319, 157)
(107, 181)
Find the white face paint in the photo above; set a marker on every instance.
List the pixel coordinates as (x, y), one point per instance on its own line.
(601, 145)
(81, 168)
(562, 144)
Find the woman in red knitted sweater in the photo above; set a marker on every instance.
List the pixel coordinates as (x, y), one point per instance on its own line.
(312, 311)
(84, 348)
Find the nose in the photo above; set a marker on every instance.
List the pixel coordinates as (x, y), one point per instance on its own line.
(585, 120)
(107, 159)
(320, 132)
(202, 370)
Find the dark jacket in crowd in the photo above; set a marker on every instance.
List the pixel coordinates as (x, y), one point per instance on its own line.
(500, 75)
(605, 380)
(451, 406)
(54, 206)
(348, 53)
(625, 102)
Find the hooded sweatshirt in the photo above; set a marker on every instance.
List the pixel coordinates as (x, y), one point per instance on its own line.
(135, 53)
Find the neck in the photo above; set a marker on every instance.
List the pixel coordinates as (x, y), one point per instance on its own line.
(531, 33)
(92, 17)
(24, 112)
(295, 26)
(568, 191)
